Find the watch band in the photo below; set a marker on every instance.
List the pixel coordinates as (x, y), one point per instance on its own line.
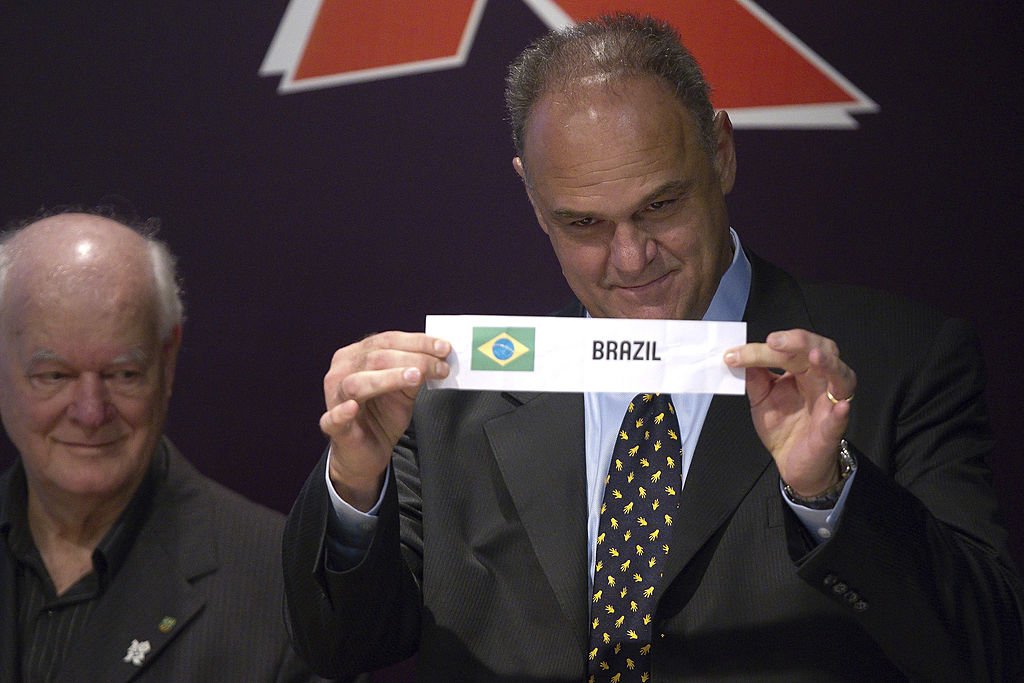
(828, 498)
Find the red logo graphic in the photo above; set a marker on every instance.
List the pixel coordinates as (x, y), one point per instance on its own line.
(758, 70)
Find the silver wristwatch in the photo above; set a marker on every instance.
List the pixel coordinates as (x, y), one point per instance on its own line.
(830, 496)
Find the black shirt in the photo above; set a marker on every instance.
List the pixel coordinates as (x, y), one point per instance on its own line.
(48, 624)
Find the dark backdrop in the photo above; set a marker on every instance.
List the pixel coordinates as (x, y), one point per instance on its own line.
(304, 221)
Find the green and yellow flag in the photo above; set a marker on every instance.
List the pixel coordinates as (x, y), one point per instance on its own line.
(503, 348)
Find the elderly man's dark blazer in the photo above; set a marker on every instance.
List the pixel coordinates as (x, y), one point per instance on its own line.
(205, 557)
(479, 561)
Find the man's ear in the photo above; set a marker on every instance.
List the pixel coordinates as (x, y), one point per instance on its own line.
(517, 163)
(169, 352)
(725, 152)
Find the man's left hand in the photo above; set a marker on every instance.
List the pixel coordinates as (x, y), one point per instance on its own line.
(802, 413)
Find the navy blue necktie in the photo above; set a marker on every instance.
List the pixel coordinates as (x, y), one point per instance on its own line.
(641, 498)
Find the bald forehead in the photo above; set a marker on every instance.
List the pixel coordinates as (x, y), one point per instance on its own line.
(77, 237)
(77, 243)
(74, 255)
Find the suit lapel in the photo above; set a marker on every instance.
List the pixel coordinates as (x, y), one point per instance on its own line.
(729, 457)
(148, 606)
(152, 600)
(776, 301)
(728, 460)
(539, 448)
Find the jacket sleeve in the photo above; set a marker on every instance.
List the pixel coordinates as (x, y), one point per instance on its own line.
(920, 553)
(365, 618)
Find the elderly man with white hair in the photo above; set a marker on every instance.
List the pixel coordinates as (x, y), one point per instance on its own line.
(118, 560)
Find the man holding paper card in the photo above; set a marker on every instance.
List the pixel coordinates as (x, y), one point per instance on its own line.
(815, 535)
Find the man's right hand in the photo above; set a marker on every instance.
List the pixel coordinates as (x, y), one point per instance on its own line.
(369, 392)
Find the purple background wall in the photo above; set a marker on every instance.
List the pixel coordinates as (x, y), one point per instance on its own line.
(305, 221)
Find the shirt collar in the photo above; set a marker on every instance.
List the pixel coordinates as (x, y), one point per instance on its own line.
(110, 553)
(13, 524)
(730, 298)
(114, 547)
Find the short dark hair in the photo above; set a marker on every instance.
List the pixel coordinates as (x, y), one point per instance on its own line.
(619, 45)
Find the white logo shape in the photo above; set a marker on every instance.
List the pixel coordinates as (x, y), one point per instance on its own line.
(137, 652)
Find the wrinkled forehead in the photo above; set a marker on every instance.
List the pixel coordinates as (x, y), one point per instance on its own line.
(83, 307)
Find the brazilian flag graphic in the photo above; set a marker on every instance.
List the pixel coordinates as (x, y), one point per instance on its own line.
(503, 348)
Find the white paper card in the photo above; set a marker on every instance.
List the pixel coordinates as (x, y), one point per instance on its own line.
(541, 353)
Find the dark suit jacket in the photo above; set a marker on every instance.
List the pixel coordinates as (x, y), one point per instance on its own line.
(206, 557)
(480, 557)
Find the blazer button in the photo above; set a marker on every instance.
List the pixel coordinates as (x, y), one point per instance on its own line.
(840, 588)
(830, 579)
(860, 606)
(851, 597)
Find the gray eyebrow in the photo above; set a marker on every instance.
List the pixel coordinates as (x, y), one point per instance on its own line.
(44, 355)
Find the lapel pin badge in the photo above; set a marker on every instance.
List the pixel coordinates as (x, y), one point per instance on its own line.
(166, 624)
(137, 652)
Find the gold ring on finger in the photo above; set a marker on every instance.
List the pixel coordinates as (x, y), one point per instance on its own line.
(835, 400)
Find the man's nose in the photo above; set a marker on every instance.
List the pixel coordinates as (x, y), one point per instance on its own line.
(632, 248)
(90, 405)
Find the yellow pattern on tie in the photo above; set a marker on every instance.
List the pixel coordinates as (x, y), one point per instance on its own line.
(634, 536)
